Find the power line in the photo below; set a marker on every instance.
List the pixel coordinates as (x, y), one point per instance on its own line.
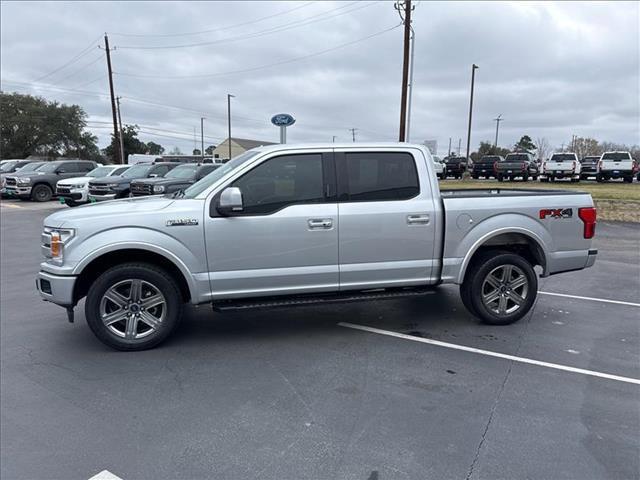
(84, 52)
(229, 27)
(253, 69)
(269, 31)
(82, 85)
(75, 72)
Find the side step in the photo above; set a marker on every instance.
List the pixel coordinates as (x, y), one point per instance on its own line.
(302, 300)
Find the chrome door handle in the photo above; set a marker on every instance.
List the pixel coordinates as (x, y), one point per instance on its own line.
(320, 223)
(419, 219)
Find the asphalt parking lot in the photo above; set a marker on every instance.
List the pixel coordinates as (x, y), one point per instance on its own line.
(292, 394)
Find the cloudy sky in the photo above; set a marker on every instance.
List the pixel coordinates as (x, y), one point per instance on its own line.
(551, 69)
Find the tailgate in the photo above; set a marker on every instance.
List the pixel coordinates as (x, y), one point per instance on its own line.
(559, 166)
(609, 165)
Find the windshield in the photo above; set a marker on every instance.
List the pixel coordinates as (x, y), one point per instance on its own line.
(49, 167)
(490, 159)
(617, 156)
(563, 157)
(454, 160)
(201, 185)
(137, 171)
(8, 166)
(183, 171)
(99, 172)
(30, 167)
(516, 157)
(590, 159)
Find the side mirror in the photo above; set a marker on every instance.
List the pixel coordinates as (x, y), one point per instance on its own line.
(153, 175)
(60, 170)
(230, 202)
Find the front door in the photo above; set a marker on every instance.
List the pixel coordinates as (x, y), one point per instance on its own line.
(387, 220)
(285, 241)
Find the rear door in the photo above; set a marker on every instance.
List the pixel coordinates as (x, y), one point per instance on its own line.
(386, 219)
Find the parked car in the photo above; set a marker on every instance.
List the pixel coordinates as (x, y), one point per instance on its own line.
(456, 166)
(12, 168)
(589, 167)
(301, 225)
(616, 165)
(75, 191)
(119, 187)
(518, 164)
(177, 179)
(440, 167)
(486, 167)
(39, 185)
(560, 166)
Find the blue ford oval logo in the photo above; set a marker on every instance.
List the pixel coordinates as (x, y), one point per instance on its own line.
(283, 120)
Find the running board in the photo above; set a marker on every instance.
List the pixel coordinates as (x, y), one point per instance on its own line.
(302, 300)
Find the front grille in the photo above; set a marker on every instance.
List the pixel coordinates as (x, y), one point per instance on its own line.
(60, 189)
(99, 189)
(140, 189)
(10, 181)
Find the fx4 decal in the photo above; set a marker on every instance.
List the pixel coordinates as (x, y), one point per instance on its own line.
(556, 213)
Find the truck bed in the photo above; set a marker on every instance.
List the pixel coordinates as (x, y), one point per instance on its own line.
(504, 192)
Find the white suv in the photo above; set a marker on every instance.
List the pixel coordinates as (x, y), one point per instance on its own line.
(75, 191)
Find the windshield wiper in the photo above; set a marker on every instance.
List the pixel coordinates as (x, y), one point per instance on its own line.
(178, 193)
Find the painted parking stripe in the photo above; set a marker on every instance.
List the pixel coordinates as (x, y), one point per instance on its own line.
(105, 475)
(489, 353)
(592, 299)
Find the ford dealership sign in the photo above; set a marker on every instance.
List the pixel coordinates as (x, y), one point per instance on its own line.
(283, 120)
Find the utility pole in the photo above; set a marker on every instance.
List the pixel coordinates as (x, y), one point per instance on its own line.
(229, 97)
(459, 145)
(406, 18)
(113, 99)
(449, 152)
(473, 77)
(353, 133)
(334, 139)
(121, 134)
(497, 120)
(413, 49)
(202, 138)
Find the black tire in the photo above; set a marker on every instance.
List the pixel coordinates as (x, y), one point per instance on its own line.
(476, 282)
(475, 177)
(150, 277)
(41, 193)
(525, 177)
(628, 179)
(500, 178)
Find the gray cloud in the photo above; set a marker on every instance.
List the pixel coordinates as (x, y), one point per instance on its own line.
(551, 69)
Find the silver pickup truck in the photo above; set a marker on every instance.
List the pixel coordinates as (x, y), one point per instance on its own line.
(289, 225)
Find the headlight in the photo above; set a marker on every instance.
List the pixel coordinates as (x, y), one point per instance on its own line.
(54, 240)
(112, 185)
(23, 181)
(80, 185)
(158, 189)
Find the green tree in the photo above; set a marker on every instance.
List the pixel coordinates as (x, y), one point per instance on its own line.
(487, 148)
(34, 126)
(132, 144)
(154, 149)
(196, 151)
(525, 143)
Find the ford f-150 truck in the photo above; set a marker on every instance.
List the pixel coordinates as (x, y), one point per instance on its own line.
(111, 188)
(561, 165)
(177, 179)
(616, 165)
(519, 164)
(289, 225)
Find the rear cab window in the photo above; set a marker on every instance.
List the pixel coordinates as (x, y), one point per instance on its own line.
(384, 176)
(616, 156)
(563, 157)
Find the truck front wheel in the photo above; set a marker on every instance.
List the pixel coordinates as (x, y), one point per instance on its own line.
(501, 287)
(133, 306)
(41, 193)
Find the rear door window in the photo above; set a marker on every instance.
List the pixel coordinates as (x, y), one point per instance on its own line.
(372, 177)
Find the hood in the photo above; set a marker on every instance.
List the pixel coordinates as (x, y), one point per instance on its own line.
(163, 181)
(35, 173)
(75, 181)
(126, 206)
(106, 180)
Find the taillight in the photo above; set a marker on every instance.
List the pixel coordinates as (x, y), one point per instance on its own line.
(574, 166)
(495, 166)
(544, 167)
(524, 165)
(588, 217)
(600, 165)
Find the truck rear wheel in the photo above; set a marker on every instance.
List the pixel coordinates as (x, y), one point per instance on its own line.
(501, 287)
(133, 306)
(41, 193)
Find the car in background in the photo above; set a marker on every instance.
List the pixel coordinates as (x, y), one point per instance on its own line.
(486, 166)
(111, 188)
(40, 184)
(75, 191)
(455, 166)
(561, 165)
(440, 167)
(589, 167)
(179, 178)
(9, 168)
(616, 165)
(517, 164)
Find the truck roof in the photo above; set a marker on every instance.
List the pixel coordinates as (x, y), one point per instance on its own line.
(354, 145)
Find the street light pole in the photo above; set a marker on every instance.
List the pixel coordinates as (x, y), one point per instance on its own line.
(497, 120)
(229, 96)
(473, 77)
(413, 47)
(202, 137)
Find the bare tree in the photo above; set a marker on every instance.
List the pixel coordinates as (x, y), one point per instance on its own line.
(543, 148)
(584, 147)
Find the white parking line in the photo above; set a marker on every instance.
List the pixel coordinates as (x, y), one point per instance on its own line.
(105, 475)
(603, 300)
(504, 356)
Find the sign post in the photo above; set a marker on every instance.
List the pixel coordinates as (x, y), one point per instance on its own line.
(283, 120)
